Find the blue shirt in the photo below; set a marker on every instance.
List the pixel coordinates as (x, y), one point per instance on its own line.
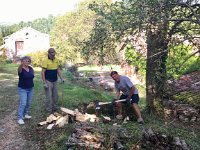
(26, 78)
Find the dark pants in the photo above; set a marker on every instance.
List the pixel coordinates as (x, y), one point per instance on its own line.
(134, 98)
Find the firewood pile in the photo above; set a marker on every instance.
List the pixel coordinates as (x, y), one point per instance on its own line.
(80, 117)
(55, 120)
(152, 141)
(185, 92)
(186, 82)
(180, 111)
(85, 136)
(59, 120)
(88, 135)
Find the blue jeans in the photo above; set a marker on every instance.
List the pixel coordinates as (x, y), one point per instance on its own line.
(25, 101)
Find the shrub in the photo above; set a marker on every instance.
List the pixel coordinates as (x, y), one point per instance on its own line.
(37, 58)
(69, 75)
(178, 62)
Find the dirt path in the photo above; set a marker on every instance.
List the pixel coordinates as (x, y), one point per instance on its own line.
(11, 134)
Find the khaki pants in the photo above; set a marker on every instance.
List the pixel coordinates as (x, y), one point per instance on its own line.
(51, 93)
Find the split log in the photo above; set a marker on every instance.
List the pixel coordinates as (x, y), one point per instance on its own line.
(106, 119)
(51, 118)
(62, 121)
(42, 123)
(86, 117)
(85, 136)
(90, 138)
(153, 140)
(67, 111)
(57, 114)
(50, 126)
(55, 119)
(91, 105)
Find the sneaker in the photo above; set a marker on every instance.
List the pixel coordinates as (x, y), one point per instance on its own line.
(119, 117)
(27, 116)
(140, 120)
(20, 121)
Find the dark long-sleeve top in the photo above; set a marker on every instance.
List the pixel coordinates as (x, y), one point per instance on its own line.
(26, 78)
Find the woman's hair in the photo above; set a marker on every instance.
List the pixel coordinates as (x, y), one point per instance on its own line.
(26, 57)
(113, 72)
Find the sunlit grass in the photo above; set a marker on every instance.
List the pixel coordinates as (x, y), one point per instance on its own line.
(99, 68)
(74, 95)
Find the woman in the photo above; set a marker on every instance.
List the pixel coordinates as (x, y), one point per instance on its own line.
(25, 88)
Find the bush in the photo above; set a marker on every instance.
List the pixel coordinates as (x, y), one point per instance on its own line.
(135, 58)
(69, 76)
(37, 58)
(178, 62)
(73, 70)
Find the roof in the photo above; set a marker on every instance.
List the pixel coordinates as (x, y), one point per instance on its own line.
(26, 31)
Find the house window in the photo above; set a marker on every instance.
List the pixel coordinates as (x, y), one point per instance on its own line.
(19, 46)
(27, 35)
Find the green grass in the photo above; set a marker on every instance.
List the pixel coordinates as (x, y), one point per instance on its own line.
(98, 68)
(189, 97)
(8, 91)
(75, 94)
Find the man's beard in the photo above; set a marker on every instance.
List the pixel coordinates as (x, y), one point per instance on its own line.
(51, 56)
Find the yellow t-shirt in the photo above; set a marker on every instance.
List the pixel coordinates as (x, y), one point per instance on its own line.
(50, 64)
(51, 67)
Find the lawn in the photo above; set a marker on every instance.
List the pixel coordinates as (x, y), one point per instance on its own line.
(76, 94)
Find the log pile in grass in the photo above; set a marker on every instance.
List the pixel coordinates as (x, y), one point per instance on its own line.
(89, 134)
(55, 119)
(80, 117)
(153, 140)
(59, 120)
(181, 112)
(85, 136)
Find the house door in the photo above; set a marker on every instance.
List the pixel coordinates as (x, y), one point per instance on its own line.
(19, 46)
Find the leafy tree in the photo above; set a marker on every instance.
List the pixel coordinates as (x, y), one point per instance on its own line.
(176, 62)
(72, 30)
(161, 21)
(43, 25)
(136, 58)
(101, 44)
(4, 31)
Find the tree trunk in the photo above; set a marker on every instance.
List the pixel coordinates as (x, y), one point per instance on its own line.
(157, 45)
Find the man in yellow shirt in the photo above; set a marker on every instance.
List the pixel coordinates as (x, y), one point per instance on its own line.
(51, 69)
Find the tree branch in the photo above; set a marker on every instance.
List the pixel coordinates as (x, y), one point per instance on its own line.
(188, 58)
(126, 41)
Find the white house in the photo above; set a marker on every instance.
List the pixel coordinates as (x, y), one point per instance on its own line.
(25, 41)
